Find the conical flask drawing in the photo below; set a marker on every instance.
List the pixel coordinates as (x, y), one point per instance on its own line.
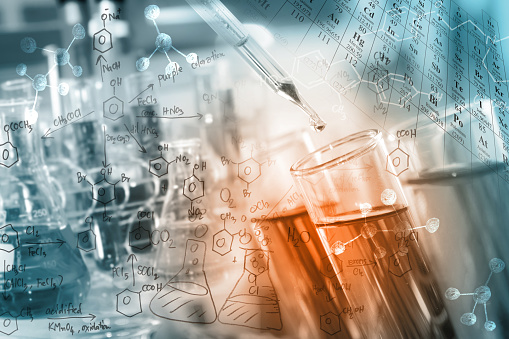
(186, 297)
(253, 301)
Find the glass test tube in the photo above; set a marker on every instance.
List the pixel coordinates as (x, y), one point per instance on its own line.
(365, 225)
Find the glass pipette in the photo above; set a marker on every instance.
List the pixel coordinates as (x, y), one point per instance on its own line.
(226, 25)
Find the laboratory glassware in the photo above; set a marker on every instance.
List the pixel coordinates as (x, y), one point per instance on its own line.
(364, 223)
(469, 197)
(225, 24)
(310, 300)
(38, 244)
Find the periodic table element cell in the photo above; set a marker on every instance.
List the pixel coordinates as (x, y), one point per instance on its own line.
(407, 86)
(480, 107)
(369, 14)
(458, 123)
(333, 21)
(392, 27)
(458, 58)
(320, 46)
(413, 51)
(308, 8)
(289, 27)
(458, 87)
(435, 69)
(418, 19)
(433, 102)
(347, 5)
(483, 144)
(358, 41)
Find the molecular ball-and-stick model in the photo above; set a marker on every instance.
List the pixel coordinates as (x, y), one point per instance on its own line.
(481, 295)
(163, 44)
(368, 230)
(62, 57)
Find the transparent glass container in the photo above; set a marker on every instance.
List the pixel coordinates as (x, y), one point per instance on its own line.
(42, 267)
(364, 222)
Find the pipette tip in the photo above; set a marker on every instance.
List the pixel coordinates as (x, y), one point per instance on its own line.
(318, 126)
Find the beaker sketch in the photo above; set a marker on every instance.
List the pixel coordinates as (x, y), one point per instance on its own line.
(253, 301)
(187, 297)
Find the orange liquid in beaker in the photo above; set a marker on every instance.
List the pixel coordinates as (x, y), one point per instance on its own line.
(389, 275)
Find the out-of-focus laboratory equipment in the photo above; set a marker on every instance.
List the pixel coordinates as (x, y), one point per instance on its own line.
(365, 225)
(475, 216)
(37, 244)
(225, 24)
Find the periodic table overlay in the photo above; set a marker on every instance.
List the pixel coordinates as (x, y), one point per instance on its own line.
(411, 64)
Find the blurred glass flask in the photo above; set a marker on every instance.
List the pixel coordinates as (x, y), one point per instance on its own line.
(36, 242)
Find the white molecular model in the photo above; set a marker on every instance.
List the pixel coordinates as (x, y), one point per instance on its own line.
(163, 44)
(481, 295)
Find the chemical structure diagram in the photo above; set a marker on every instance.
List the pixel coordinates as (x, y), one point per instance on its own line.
(329, 323)
(399, 262)
(61, 58)
(223, 240)
(9, 153)
(248, 171)
(102, 39)
(194, 187)
(481, 295)
(113, 107)
(87, 238)
(398, 161)
(9, 324)
(129, 303)
(163, 44)
(103, 191)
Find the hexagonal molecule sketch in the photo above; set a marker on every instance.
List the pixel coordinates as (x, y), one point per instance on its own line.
(398, 161)
(87, 239)
(163, 44)
(481, 295)
(113, 108)
(329, 269)
(194, 188)
(129, 303)
(139, 238)
(8, 323)
(8, 153)
(102, 41)
(186, 297)
(9, 239)
(253, 301)
(329, 323)
(249, 170)
(61, 58)
(222, 242)
(104, 191)
(158, 166)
